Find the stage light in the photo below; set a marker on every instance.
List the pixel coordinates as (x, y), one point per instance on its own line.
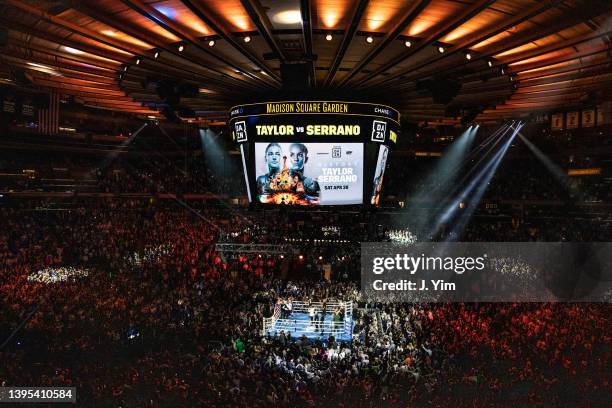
(282, 256)
(125, 68)
(181, 47)
(408, 44)
(441, 49)
(288, 17)
(369, 39)
(138, 61)
(468, 56)
(477, 183)
(211, 43)
(329, 37)
(247, 39)
(301, 257)
(156, 55)
(72, 50)
(490, 63)
(502, 71)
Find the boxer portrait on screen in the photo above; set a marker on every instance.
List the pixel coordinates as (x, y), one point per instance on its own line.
(298, 155)
(273, 158)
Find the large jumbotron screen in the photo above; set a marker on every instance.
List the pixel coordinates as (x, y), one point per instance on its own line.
(313, 152)
(309, 173)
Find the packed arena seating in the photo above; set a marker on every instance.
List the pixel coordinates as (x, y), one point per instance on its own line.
(331, 203)
(164, 319)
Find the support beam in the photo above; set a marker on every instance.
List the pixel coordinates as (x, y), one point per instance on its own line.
(479, 37)
(555, 46)
(414, 11)
(105, 66)
(206, 16)
(557, 60)
(75, 80)
(346, 40)
(58, 66)
(260, 19)
(167, 24)
(576, 17)
(67, 42)
(211, 75)
(306, 12)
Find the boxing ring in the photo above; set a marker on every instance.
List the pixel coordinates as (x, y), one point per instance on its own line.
(298, 321)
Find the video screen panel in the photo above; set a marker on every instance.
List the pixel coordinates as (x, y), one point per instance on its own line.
(309, 174)
(381, 163)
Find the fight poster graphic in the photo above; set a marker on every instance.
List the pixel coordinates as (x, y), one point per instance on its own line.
(309, 173)
(381, 163)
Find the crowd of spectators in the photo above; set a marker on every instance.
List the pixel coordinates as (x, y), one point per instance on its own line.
(145, 174)
(406, 178)
(160, 302)
(182, 325)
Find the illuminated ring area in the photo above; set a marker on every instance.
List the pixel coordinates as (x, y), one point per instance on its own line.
(315, 152)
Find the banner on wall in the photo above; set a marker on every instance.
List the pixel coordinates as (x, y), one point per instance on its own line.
(556, 121)
(8, 104)
(572, 120)
(588, 118)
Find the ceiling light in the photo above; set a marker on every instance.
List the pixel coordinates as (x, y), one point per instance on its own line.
(408, 44)
(211, 43)
(288, 17)
(329, 37)
(369, 39)
(156, 55)
(33, 64)
(110, 33)
(72, 50)
(441, 49)
(247, 39)
(181, 47)
(468, 56)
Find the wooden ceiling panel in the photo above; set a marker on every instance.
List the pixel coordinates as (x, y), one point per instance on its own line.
(178, 12)
(381, 15)
(435, 13)
(333, 14)
(555, 51)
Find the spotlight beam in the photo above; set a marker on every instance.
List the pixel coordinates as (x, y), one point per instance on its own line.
(475, 199)
(498, 139)
(484, 175)
(557, 172)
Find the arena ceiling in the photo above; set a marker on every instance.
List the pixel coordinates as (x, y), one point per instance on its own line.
(435, 60)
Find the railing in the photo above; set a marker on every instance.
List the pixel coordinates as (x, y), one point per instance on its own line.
(276, 324)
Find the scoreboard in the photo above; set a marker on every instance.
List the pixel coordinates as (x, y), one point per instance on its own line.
(314, 152)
